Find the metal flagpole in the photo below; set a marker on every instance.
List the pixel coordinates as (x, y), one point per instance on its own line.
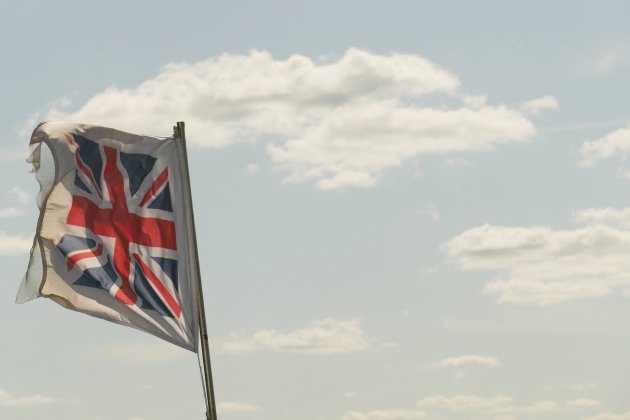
(211, 413)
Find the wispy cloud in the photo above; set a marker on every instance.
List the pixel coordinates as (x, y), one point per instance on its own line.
(543, 266)
(323, 336)
(14, 244)
(236, 407)
(610, 416)
(7, 399)
(10, 212)
(495, 407)
(606, 215)
(334, 123)
(607, 60)
(22, 196)
(384, 415)
(467, 361)
(583, 402)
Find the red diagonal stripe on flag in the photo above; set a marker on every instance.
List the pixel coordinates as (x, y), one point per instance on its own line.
(161, 289)
(155, 187)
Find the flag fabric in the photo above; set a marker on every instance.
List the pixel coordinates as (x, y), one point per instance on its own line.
(114, 237)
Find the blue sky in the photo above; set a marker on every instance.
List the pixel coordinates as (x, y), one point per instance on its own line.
(405, 209)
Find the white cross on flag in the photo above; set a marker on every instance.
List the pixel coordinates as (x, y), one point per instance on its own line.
(114, 239)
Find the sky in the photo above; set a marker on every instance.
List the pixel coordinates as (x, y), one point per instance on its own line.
(405, 210)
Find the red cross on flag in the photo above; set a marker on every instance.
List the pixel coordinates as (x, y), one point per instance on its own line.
(114, 238)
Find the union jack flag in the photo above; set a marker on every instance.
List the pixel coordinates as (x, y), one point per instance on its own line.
(123, 201)
(114, 232)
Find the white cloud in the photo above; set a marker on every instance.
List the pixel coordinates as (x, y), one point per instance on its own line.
(252, 168)
(384, 415)
(235, 407)
(337, 124)
(607, 60)
(431, 212)
(535, 106)
(10, 212)
(468, 403)
(609, 416)
(7, 399)
(496, 407)
(615, 144)
(606, 215)
(457, 161)
(468, 361)
(584, 386)
(21, 195)
(323, 336)
(583, 403)
(543, 266)
(14, 244)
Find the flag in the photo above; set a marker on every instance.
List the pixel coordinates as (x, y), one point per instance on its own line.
(114, 238)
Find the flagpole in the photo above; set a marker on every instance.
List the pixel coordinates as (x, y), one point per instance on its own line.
(211, 412)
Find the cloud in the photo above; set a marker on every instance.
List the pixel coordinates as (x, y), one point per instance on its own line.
(10, 212)
(323, 336)
(235, 407)
(457, 161)
(607, 215)
(337, 124)
(615, 144)
(252, 168)
(384, 415)
(497, 407)
(14, 244)
(468, 403)
(7, 399)
(583, 402)
(609, 416)
(607, 60)
(542, 266)
(468, 361)
(431, 211)
(535, 106)
(22, 196)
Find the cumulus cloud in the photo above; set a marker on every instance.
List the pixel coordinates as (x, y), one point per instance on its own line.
(542, 266)
(336, 124)
(384, 415)
(14, 244)
(7, 399)
(467, 361)
(535, 106)
(615, 144)
(323, 336)
(236, 407)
